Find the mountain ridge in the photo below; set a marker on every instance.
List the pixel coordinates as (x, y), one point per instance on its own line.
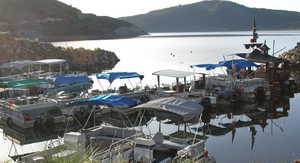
(52, 20)
(217, 15)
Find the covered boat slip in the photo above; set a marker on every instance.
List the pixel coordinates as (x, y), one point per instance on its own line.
(29, 64)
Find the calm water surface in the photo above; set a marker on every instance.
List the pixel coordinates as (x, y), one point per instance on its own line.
(145, 55)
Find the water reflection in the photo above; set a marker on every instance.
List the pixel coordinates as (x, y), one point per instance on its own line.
(221, 121)
(218, 122)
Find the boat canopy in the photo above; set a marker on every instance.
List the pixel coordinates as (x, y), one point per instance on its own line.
(70, 79)
(173, 73)
(24, 82)
(182, 110)
(238, 63)
(111, 76)
(51, 61)
(108, 100)
(206, 66)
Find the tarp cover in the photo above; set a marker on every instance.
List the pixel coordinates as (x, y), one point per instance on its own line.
(111, 76)
(24, 82)
(187, 110)
(206, 66)
(70, 79)
(238, 63)
(173, 73)
(108, 100)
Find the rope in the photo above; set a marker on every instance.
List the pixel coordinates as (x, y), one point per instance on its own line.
(197, 131)
(86, 123)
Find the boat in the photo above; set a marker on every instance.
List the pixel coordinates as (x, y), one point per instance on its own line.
(40, 114)
(133, 92)
(132, 145)
(175, 109)
(108, 108)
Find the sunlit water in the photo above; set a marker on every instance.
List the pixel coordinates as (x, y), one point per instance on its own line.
(146, 55)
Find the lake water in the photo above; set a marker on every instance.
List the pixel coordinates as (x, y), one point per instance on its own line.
(178, 51)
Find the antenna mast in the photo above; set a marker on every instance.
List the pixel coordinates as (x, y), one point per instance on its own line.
(255, 35)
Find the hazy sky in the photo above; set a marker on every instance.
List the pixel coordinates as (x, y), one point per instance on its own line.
(118, 8)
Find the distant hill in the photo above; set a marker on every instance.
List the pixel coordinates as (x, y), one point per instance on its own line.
(214, 15)
(51, 20)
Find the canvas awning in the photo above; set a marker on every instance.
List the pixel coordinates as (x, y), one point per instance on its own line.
(111, 76)
(173, 73)
(206, 66)
(238, 63)
(174, 108)
(108, 100)
(70, 79)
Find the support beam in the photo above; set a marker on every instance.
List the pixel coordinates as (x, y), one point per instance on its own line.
(177, 85)
(158, 81)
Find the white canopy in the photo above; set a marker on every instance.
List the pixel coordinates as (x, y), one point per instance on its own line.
(183, 109)
(173, 73)
(51, 61)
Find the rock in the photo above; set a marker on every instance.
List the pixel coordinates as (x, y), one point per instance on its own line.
(79, 59)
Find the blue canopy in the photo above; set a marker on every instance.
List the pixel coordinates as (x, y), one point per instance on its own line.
(239, 64)
(108, 100)
(207, 66)
(71, 79)
(111, 76)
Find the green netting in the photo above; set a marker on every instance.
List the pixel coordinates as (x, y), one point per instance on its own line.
(24, 82)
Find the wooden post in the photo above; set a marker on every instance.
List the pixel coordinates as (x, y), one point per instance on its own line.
(177, 84)
(204, 80)
(60, 68)
(158, 81)
(159, 127)
(185, 129)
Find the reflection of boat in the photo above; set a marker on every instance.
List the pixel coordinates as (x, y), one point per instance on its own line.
(213, 130)
(267, 115)
(29, 136)
(240, 124)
